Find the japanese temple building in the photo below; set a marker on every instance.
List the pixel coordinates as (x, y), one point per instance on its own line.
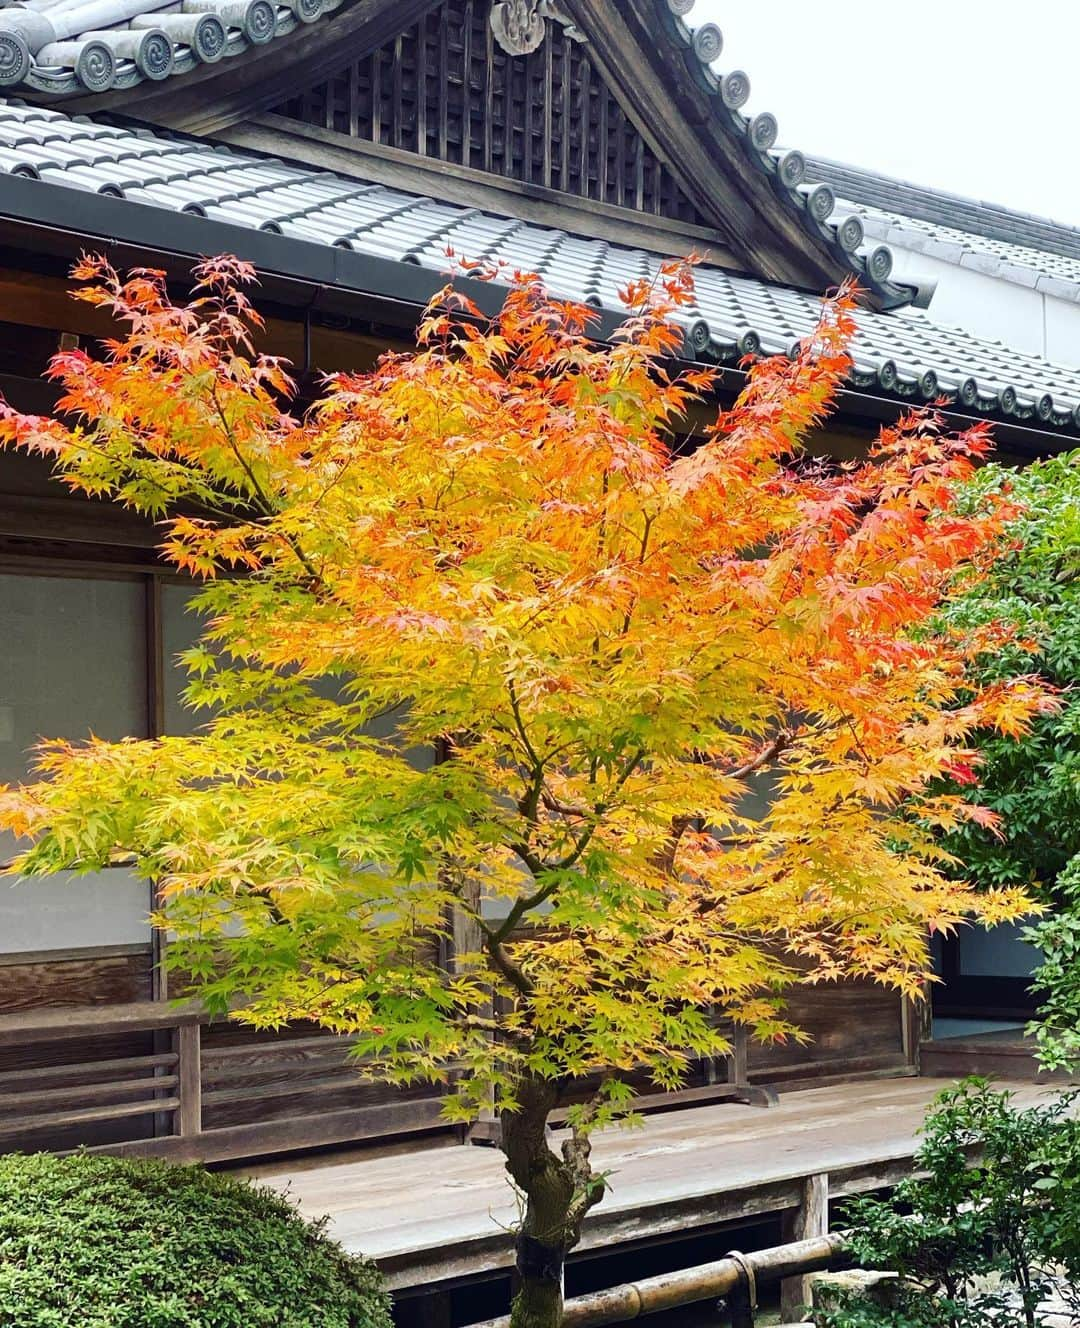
(343, 146)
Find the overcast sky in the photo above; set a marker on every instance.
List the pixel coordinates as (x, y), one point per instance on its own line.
(981, 97)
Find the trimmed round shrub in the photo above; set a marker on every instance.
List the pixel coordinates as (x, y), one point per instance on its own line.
(102, 1242)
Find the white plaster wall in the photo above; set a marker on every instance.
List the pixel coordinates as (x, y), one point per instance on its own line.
(1062, 330)
(988, 306)
(64, 911)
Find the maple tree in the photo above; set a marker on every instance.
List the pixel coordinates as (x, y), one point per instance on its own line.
(611, 635)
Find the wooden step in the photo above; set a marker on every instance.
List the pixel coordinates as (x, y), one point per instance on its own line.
(991, 1055)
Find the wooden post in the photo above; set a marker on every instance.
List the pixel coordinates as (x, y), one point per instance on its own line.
(189, 1072)
(916, 1026)
(161, 1043)
(740, 1073)
(465, 939)
(810, 1219)
(731, 1069)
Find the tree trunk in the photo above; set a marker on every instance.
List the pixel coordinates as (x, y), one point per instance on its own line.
(558, 1192)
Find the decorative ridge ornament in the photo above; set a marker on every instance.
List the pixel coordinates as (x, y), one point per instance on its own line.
(519, 25)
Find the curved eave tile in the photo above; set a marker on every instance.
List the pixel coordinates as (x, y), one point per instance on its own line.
(238, 31)
(840, 232)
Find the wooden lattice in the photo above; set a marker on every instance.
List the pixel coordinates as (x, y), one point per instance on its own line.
(445, 89)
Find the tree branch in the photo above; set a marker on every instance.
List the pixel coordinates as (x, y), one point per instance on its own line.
(262, 497)
(526, 903)
(768, 753)
(565, 808)
(128, 860)
(665, 859)
(504, 964)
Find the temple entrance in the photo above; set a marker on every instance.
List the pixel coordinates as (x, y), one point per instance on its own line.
(982, 1006)
(985, 978)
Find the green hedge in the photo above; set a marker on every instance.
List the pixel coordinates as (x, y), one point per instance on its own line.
(100, 1242)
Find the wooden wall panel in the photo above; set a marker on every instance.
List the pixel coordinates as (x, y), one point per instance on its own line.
(855, 1027)
(250, 1075)
(445, 90)
(258, 1105)
(80, 979)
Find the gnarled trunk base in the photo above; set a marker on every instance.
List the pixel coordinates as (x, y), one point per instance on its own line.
(558, 1192)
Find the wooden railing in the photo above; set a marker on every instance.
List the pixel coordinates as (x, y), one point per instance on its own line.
(139, 1079)
(146, 1078)
(67, 1094)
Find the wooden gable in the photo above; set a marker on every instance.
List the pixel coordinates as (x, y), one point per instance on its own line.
(447, 91)
(611, 122)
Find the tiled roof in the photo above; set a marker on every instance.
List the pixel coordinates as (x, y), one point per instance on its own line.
(68, 46)
(65, 47)
(1014, 246)
(902, 353)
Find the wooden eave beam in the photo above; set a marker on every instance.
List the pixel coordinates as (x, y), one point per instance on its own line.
(44, 301)
(659, 86)
(330, 150)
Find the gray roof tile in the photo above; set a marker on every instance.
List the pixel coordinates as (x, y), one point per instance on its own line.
(61, 47)
(902, 352)
(1013, 246)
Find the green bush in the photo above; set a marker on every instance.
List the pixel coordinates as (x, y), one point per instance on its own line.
(99, 1242)
(980, 1233)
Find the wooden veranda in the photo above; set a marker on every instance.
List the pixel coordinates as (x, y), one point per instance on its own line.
(437, 1216)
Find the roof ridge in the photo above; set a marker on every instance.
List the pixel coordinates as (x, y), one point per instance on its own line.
(939, 206)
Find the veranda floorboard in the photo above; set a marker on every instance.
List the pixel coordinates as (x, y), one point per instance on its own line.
(437, 1213)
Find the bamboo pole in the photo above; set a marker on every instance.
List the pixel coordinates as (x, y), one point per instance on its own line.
(708, 1281)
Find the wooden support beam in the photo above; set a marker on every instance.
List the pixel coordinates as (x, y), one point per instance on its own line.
(807, 1222)
(42, 301)
(473, 187)
(79, 1022)
(36, 300)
